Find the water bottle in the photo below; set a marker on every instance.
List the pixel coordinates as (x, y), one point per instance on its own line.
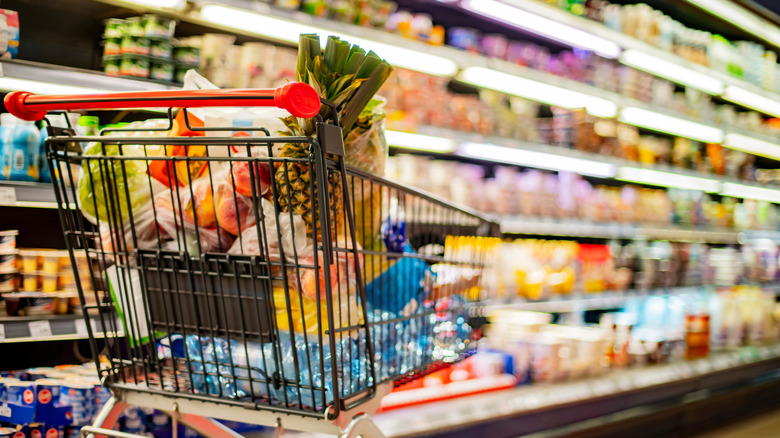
(21, 144)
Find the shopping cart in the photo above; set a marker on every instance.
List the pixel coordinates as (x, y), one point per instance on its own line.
(236, 280)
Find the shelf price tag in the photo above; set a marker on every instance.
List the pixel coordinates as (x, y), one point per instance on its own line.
(81, 328)
(2, 333)
(40, 329)
(7, 194)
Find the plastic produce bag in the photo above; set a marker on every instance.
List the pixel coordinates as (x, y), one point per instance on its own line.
(290, 227)
(366, 148)
(111, 188)
(142, 233)
(184, 234)
(240, 117)
(343, 273)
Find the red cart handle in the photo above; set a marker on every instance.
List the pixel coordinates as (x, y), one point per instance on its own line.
(297, 98)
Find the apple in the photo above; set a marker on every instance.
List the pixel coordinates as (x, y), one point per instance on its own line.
(233, 210)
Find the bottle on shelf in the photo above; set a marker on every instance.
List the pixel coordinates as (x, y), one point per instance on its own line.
(20, 148)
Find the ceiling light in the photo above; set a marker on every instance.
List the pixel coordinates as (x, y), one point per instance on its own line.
(158, 4)
(545, 27)
(37, 87)
(540, 160)
(752, 145)
(538, 91)
(671, 71)
(666, 179)
(670, 125)
(752, 100)
(750, 192)
(290, 31)
(419, 142)
(729, 11)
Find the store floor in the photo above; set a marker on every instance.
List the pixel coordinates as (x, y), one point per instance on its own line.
(765, 425)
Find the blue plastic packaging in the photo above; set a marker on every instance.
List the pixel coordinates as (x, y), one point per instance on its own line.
(21, 145)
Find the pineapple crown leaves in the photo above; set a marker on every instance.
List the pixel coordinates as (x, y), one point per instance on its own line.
(344, 74)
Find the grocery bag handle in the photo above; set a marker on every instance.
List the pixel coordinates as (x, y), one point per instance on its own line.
(298, 98)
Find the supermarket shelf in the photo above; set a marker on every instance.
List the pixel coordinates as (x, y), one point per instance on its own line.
(564, 403)
(463, 137)
(616, 230)
(42, 76)
(15, 329)
(462, 59)
(578, 302)
(627, 43)
(27, 194)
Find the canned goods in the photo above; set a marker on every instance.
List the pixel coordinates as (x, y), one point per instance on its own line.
(161, 71)
(47, 390)
(161, 49)
(21, 393)
(115, 28)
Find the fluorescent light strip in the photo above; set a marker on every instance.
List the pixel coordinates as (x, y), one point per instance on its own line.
(752, 100)
(420, 142)
(538, 91)
(290, 31)
(750, 192)
(540, 160)
(159, 4)
(729, 11)
(671, 71)
(14, 84)
(670, 125)
(667, 179)
(752, 145)
(546, 27)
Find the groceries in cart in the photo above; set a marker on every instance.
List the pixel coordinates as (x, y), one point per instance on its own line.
(275, 266)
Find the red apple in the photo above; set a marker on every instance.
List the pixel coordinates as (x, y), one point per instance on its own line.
(234, 210)
(242, 178)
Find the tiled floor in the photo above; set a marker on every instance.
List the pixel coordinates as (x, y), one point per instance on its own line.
(765, 425)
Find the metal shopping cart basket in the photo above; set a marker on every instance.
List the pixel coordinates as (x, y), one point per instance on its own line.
(253, 277)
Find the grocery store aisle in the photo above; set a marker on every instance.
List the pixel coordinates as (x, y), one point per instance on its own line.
(766, 425)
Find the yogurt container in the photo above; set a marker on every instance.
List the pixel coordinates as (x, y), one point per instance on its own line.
(53, 261)
(8, 260)
(47, 391)
(49, 282)
(7, 283)
(30, 260)
(8, 240)
(20, 392)
(39, 372)
(30, 282)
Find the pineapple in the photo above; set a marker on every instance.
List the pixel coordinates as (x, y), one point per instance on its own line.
(294, 181)
(349, 77)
